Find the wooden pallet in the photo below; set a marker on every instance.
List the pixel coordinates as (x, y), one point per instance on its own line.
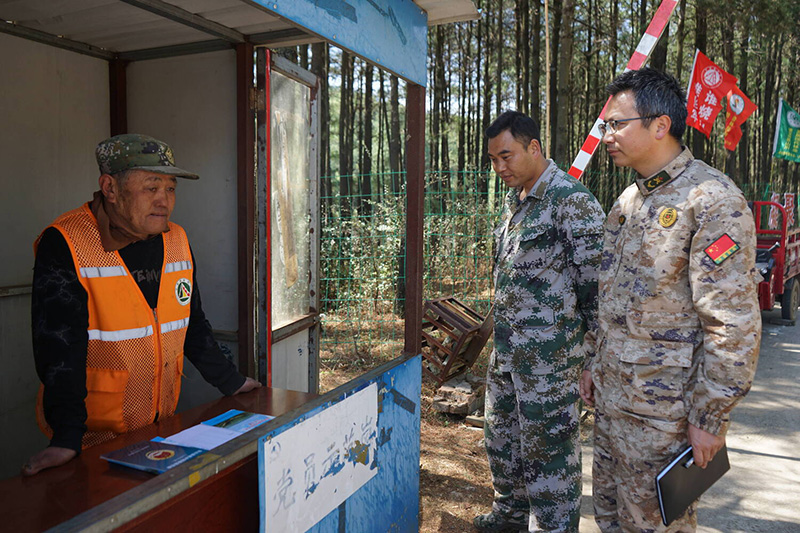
(453, 336)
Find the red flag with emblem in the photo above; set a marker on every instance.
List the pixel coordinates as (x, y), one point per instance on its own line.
(739, 109)
(708, 86)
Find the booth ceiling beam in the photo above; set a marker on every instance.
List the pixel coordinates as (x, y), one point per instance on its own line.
(176, 50)
(287, 37)
(55, 40)
(176, 14)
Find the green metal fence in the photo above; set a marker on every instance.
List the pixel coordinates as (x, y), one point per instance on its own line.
(362, 253)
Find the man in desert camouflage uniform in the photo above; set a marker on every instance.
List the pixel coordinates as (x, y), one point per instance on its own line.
(547, 253)
(679, 322)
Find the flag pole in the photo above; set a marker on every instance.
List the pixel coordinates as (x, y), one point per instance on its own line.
(778, 120)
(691, 74)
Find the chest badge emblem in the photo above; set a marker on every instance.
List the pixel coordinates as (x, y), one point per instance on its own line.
(183, 291)
(667, 217)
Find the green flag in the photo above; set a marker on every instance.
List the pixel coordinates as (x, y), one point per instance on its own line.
(787, 133)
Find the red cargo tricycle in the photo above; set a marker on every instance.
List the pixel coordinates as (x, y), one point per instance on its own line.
(777, 259)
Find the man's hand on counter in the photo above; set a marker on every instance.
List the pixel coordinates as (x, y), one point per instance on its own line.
(249, 384)
(48, 458)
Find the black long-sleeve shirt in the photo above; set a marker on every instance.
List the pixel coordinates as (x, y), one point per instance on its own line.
(60, 320)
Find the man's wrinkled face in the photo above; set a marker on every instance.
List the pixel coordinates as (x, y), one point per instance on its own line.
(514, 162)
(145, 202)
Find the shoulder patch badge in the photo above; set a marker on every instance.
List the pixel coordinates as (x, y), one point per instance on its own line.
(621, 220)
(183, 291)
(667, 217)
(722, 248)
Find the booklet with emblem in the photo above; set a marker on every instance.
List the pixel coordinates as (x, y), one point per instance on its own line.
(152, 456)
(161, 454)
(681, 482)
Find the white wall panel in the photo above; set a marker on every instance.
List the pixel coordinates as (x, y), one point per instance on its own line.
(290, 362)
(190, 103)
(53, 112)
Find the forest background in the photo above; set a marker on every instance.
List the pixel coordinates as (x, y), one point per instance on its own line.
(478, 69)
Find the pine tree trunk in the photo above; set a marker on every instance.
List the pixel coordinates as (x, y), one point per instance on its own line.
(462, 102)
(499, 49)
(681, 36)
(560, 136)
(727, 54)
(767, 125)
(382, 122)
(480, 50)
(700, 43)
(395, 154)
(658, 60)
(526, 57)
(346, 136)
(536, 66)
(483, 182)
(365, 165)
(744, 144)
(518, 62)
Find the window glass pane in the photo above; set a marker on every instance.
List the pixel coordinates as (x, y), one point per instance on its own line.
(290, 191)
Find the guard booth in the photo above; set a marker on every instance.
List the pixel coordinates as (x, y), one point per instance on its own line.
(198, 74)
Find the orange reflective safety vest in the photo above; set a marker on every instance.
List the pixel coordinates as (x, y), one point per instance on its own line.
(134, 359)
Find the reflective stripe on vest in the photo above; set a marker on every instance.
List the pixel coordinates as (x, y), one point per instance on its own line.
(166, 327)
(103, 272)
(123, 334)
(177, 266)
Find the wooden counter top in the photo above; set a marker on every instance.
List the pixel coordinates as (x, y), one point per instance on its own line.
(59, 494)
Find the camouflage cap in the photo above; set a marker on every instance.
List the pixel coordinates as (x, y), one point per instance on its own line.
(132, 151)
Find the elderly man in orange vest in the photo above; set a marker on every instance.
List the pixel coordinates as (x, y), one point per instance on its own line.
(116, 307)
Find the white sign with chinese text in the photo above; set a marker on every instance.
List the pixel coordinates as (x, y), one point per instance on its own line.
(311, 468)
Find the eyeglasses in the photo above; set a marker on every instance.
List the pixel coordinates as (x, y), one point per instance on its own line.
(612, 126)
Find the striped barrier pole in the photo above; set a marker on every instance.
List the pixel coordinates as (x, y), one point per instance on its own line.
(637, 60)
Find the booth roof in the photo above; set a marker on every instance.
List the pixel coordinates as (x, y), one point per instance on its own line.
(147, 29)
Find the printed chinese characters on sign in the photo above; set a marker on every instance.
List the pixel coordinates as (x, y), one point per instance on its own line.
(305, 478)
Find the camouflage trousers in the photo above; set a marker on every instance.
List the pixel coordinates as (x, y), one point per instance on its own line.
(532, 443)
(628, 454)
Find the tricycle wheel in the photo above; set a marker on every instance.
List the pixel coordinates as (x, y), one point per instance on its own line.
(790, 299)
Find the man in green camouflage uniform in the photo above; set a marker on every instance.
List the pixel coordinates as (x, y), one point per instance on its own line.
(679, 321)
(548, 247)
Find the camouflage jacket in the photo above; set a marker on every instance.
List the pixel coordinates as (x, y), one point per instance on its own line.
(680, 324)
(546, 258)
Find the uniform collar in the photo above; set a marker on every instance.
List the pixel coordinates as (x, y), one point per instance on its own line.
(673, 169)
(539, 188)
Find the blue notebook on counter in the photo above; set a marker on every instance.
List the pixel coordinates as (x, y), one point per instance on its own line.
(152, 456)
